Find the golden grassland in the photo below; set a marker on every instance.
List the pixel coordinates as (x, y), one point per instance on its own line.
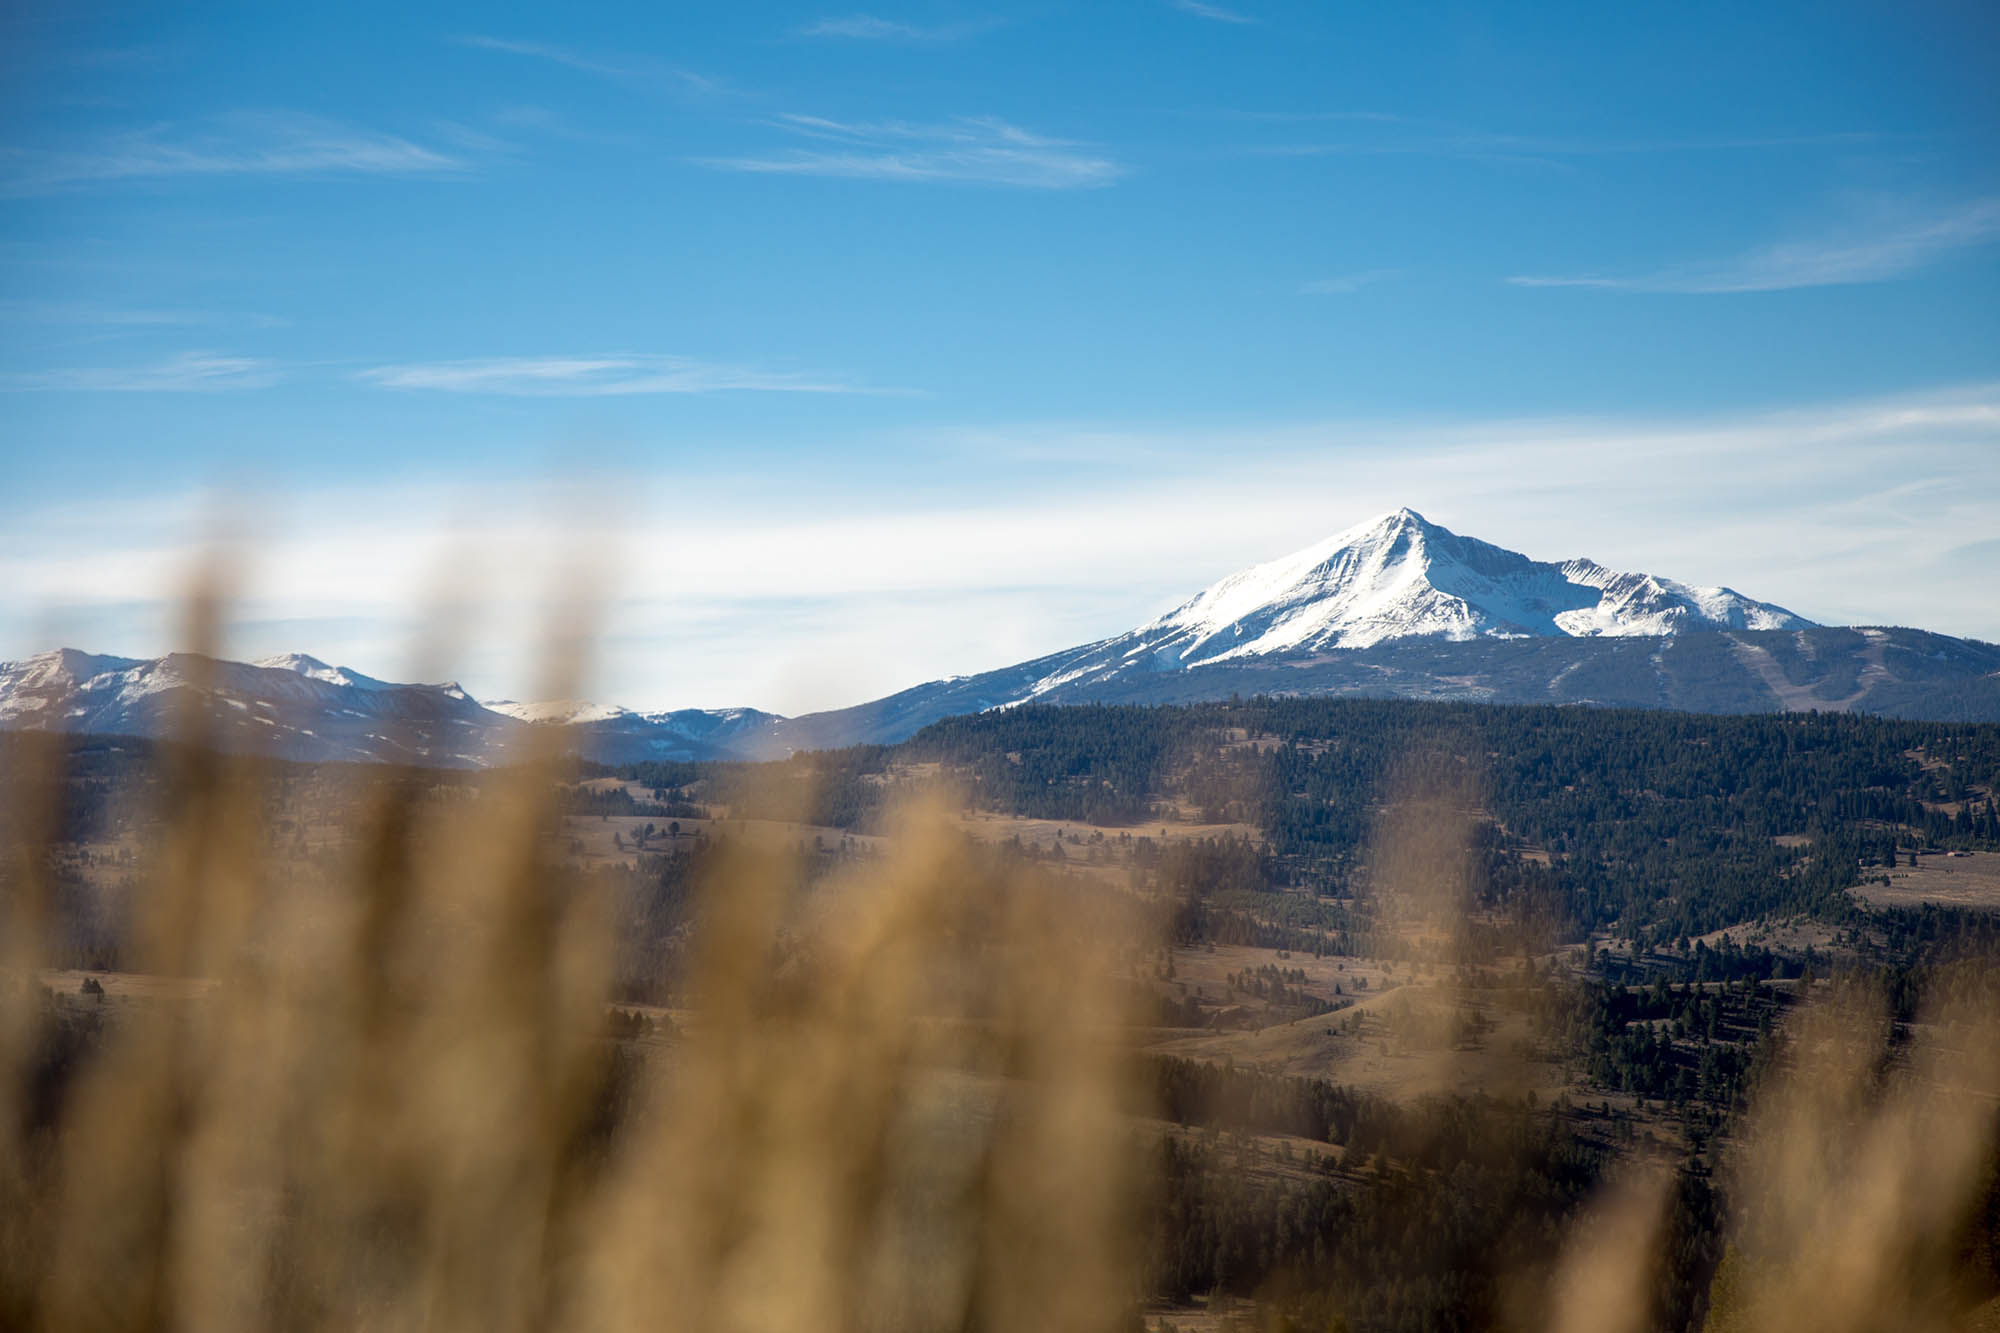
(1971, 879)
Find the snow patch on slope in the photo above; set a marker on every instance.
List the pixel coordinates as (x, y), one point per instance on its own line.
(559, 711)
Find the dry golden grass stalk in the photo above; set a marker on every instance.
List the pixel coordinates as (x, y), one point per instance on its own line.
(1603, 1282)
(1857, 1177)
(894, 1107)
(914, 1125)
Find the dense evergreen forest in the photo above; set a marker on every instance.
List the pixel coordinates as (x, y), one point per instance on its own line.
(1652, 826)
(1429, 1217)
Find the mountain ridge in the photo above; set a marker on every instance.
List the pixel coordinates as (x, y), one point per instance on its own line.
(1394, 606)
(1401, 576)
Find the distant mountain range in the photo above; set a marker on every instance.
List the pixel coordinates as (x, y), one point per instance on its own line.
(297, 707)
(1398, 606)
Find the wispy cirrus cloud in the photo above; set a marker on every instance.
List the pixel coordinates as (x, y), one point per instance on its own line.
(1388, 134)
(88, 315)
(1884, 249)
(189, 372)
(240, 144)
(1214, 12)
(870, 28)
(636, 71)
(560, 55)
(610, 375)
(1343, 283)
(973, 150)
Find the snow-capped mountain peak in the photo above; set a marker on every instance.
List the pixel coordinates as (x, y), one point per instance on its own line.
(291, 706)
(314, 669)
(1646, 604)
(347, 677)
(1402, 576)
(1373, 581)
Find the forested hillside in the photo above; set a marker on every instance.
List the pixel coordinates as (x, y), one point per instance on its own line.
(1648, 824)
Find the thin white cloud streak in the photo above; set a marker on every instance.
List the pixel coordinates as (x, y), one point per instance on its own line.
(1880, 253)
(979, 150)
(869, 28)
(1412, 136)
(189, 372)
(1213, 12)
(1386, 135)
(88, 315)
(243, 144)
(624, 71)
(863, 26)
(785, 592)
(611, 375)
(123, 321)
(1346, 283)
(558, 55)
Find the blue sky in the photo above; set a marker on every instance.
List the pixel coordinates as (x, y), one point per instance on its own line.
(870, 345)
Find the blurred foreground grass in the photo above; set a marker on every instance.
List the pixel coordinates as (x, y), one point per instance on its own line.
(399, 1108)
(905, 1100)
